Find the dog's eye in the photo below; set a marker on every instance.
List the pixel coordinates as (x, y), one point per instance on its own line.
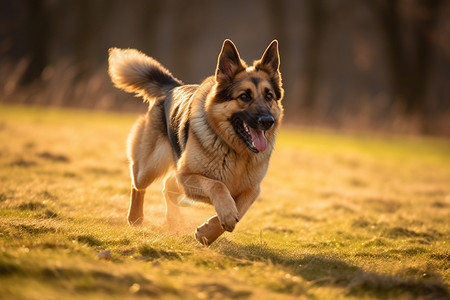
(269, 96)
(245, 97)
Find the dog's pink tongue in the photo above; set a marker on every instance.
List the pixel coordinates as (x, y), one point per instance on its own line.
(259, 140)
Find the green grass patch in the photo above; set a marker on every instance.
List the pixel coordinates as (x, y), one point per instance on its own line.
(340, 216)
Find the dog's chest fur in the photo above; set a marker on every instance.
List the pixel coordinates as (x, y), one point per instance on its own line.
(207, 154)
(225, 167)
(204, 152)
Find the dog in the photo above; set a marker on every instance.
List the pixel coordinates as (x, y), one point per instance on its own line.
(211, 141)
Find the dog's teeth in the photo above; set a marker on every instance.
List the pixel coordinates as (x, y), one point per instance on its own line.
(244, 125)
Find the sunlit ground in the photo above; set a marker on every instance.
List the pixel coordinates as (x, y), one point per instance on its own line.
(339, 217)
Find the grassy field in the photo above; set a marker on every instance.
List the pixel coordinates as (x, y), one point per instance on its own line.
(339, 217)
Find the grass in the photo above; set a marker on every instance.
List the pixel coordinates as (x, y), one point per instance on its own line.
(339, 217)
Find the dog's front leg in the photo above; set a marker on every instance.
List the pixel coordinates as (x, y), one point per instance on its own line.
(209, 231)
(246, 199)
(198, 186)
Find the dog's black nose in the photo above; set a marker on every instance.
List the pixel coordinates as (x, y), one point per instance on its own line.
(266, 122)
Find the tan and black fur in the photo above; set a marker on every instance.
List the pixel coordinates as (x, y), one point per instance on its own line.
(211, 141)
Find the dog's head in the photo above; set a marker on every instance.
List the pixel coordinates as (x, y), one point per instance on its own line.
(246, 106)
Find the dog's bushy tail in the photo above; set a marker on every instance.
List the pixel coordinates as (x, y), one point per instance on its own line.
(137, 73)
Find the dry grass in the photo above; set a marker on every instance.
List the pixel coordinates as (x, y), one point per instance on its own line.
(339, 217)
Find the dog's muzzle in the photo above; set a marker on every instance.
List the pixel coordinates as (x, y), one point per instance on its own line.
(266, 122)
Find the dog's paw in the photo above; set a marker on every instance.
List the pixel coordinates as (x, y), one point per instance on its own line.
(209, 231)
(228, 219)
(135, 220)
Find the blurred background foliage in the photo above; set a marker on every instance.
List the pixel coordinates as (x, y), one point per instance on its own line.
(372, 65)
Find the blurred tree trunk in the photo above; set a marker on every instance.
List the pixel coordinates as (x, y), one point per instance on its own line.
(147, 31)
(188, 23)
(37, 36)
(90, 20)
(316, 22)
(305, 98)
(277, 16)
(407, 28)
(83, 36)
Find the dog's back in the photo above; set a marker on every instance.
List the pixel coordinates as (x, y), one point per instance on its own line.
(137, 73)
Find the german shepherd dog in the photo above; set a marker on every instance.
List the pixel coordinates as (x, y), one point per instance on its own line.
(212, 141)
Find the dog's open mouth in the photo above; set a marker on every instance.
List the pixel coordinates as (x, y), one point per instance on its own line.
(254, 138)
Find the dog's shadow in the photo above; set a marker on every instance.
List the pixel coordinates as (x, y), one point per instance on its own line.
(320, 270)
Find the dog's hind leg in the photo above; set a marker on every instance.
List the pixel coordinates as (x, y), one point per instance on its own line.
(171, 193)
(145, 168)
(136, 209)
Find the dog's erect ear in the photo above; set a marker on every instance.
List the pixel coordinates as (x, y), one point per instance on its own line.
(229, 62)
(270, 63)
(271, 58)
